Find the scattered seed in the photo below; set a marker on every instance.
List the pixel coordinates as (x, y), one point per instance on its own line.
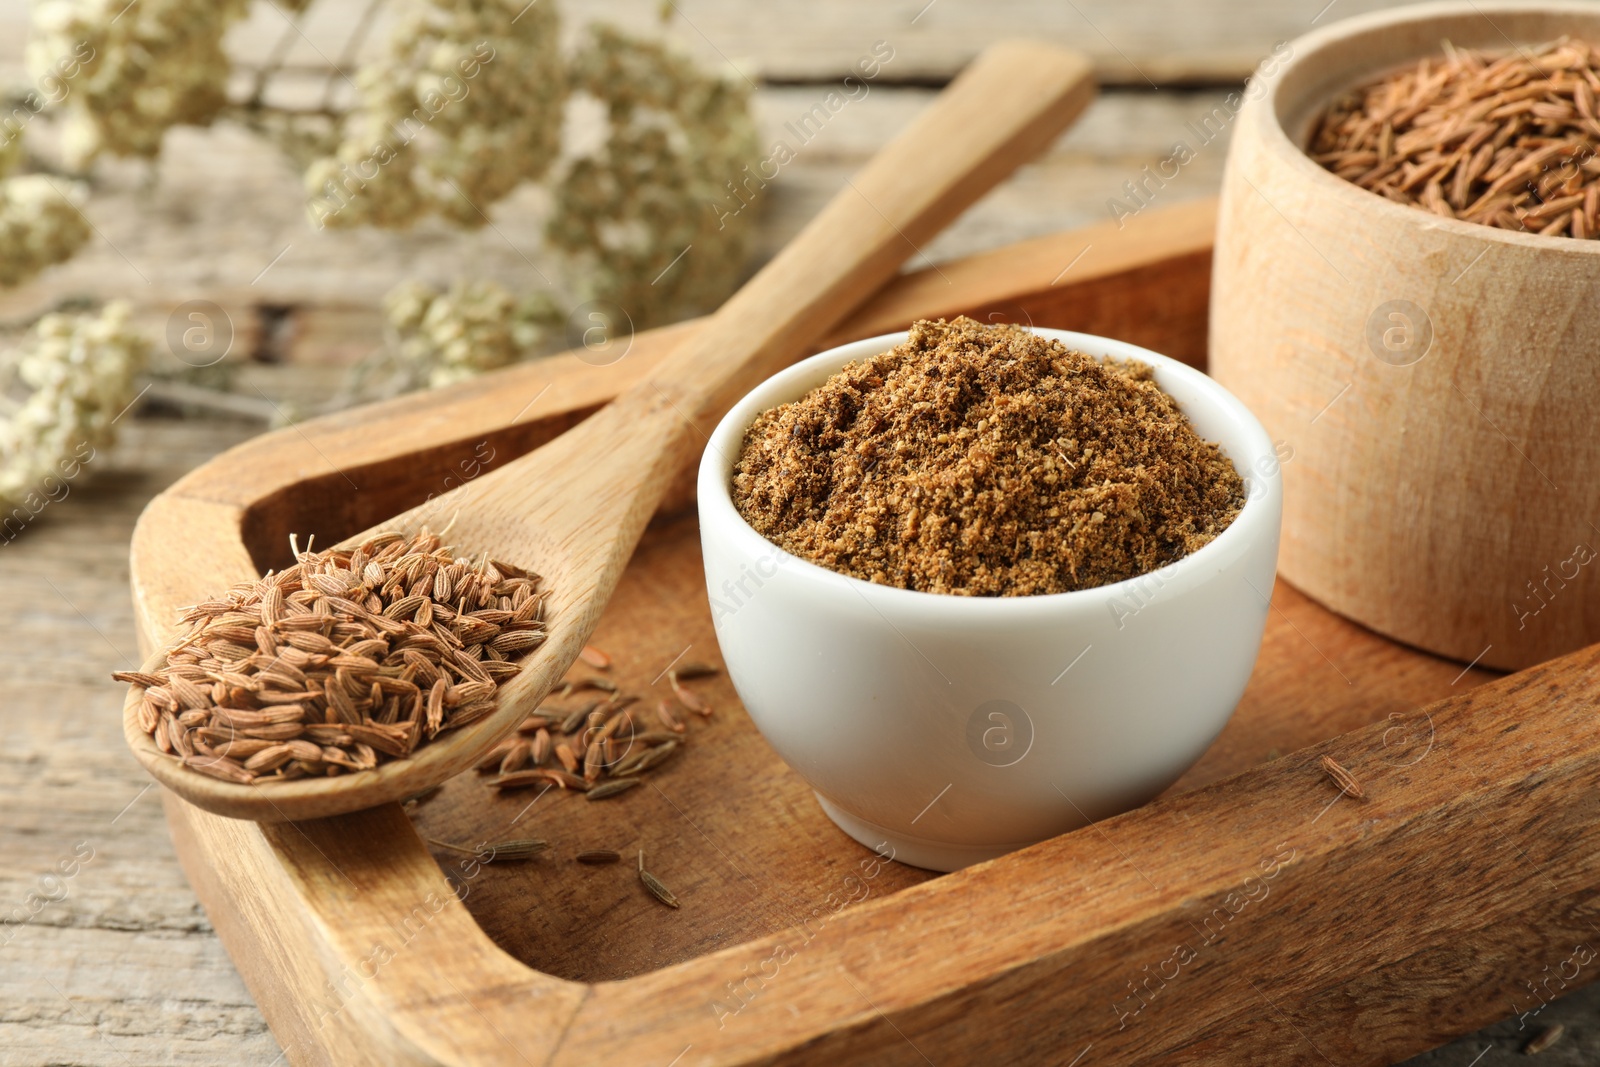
(657, 890)
(669, 718)
(574, 722)
(688, 697)
(598, 857)
(520, 755)
(611, 788)
(1342, 778)
(1544, 1039)
(645, 759)
(539, 776)
(522, 849)
(685, 671)
(655, 737)
(423, 797)
(628, 764)
(595, 658)
(518, 849)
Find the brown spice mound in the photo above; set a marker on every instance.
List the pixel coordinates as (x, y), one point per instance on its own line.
(1506, 139)
(985, 461)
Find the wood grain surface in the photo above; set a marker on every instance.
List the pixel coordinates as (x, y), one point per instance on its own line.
(1164, 42)
(312, 299)
(123, 967)
(1009, 958)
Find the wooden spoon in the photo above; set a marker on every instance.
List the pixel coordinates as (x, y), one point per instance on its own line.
(574, 509)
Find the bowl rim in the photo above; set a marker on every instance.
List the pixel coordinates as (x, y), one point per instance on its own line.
(1260, 517)
(1263, 109)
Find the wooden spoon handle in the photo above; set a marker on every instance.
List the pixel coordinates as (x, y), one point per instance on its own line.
(1004, 109)
(593, 489)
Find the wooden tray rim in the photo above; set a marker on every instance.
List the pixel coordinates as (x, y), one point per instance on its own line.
(491, 995)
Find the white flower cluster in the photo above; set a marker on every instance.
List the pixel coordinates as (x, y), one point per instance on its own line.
(678, 137)
(78, 372)
(154, 64)
(11, 143)
(40, 223)
(457, 334)
(465, 105)
(39, 226)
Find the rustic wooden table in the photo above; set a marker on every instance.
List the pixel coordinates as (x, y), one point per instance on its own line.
(117, 964)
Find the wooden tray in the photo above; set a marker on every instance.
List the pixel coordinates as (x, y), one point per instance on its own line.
(1252, 915)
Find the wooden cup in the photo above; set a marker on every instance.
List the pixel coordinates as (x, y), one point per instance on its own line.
(1434, 385)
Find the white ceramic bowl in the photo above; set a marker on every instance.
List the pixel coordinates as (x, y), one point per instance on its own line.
(954, 729)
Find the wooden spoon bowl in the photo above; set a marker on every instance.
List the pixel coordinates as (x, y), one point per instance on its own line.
(573, 510)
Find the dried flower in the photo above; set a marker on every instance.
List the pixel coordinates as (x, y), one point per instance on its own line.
(465, 105)
(629, 211)
(79, 371)
(39, 226)
(441, 337)
(149, 66)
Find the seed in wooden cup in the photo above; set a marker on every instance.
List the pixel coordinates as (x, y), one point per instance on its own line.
(138, 678)
(243, 748)
(271, 759)
(220, 767)
(385, 739)
(1497, 138)
(308, 751)
(179, 737)
(278, 732)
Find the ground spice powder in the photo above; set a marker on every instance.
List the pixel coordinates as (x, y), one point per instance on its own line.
(985, 461)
